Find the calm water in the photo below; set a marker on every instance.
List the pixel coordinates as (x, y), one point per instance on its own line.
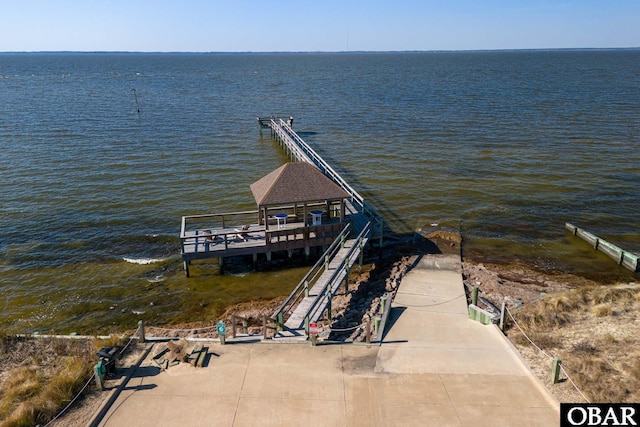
(506, 146)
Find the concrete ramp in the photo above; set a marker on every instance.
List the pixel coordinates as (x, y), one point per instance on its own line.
(429, 333)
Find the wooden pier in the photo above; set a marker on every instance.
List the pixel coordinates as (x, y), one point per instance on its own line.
(301, 205)
(298, 150)
(309, 300)
(626, 259)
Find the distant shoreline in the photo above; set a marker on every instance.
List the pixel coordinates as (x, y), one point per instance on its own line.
(321, 52)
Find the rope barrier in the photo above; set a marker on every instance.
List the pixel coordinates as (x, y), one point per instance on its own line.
(574, 384)
(181, 330)
(526, 336)
(546, 354)
(71, 402)
(432, 305)
(347, 329)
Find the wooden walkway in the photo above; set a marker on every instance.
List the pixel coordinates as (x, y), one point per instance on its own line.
(312, 297)
(300, 151)
(309, 300)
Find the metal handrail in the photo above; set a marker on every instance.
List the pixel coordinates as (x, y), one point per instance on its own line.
(294, 297)
(324, 292)
(310, 154)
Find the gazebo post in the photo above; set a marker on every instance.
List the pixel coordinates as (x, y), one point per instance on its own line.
(304, 213)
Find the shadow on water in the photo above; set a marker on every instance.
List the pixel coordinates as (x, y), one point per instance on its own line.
(399, 222)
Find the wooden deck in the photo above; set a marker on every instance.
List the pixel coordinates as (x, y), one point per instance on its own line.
(241, 233)
(222, 242)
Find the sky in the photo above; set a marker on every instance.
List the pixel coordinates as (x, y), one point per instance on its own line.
(320, 25)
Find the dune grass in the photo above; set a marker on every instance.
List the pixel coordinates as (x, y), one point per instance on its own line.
(595, 331)
(38, 377)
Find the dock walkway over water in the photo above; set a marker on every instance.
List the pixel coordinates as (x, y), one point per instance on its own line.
(312, 297)
(301, 205)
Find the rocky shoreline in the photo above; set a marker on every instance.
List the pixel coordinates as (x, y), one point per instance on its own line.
(515, 284)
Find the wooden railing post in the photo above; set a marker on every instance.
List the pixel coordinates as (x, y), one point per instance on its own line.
(306, 288)
(306, 325)
(280, 321)
(555, 370)
(264, 326)
(233, 326)
(346, 277)
(367, 332)
(141, 330)
(503, 315)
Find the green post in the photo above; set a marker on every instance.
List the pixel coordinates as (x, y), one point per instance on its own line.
(326, 262)
(245, 326)
(474, 296)
(376, 325)
(342, 241)
(306, 288)
(222, 331)
(555, 370)
(383, 302)
(99, 371)
(306, 325)
(141, 330)
(280, 321)
(503, 315)
(346, 277)
(329, 297)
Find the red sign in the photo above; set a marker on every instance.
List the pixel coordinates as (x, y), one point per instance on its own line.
(313, 329)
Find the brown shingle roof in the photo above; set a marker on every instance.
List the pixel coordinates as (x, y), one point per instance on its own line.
(295, 183)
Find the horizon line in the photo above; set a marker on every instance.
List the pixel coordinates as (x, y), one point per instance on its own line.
(314, 51)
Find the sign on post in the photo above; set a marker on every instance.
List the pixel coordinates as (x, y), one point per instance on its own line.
(222, 331)
(313, 329)
(313, 333)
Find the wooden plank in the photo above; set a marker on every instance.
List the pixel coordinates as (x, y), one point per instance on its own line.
(201, 357)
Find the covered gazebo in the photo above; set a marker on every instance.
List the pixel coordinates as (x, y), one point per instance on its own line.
(294, 187)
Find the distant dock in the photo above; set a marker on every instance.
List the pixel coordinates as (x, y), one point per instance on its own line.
(624, 258)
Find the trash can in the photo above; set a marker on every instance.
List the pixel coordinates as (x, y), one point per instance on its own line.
(108, 355)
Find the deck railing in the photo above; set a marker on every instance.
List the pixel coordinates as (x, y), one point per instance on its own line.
(302, 289)
(309, 280)
(302, 151)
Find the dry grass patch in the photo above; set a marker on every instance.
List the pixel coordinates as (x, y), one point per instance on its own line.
(595, 331)
(38, 377)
